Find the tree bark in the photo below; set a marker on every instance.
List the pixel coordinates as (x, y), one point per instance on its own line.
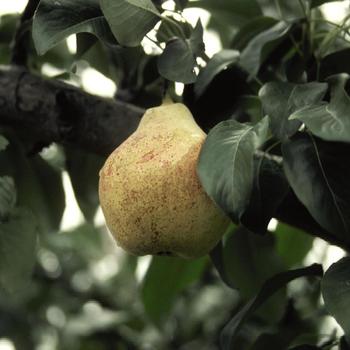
(52, 111)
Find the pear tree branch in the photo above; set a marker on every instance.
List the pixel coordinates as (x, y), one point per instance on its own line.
(52, 111)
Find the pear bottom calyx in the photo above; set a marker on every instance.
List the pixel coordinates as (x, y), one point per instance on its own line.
(150, 193)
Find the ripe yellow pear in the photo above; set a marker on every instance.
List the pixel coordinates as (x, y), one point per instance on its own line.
(150, 193)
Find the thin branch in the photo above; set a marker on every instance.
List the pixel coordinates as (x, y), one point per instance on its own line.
(21, 39)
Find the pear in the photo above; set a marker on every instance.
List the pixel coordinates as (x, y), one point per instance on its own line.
(150, 193)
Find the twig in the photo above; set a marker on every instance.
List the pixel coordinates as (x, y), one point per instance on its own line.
(21, 38)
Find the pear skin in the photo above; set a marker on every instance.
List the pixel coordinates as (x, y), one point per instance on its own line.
(150, 193)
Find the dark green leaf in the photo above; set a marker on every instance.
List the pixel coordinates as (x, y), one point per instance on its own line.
(18, 237)
(177, 62)
(169, 30)
(130, 20)
(335, 287)
(196, 40)
(251, 56)
(280, 100)
(329, 121)
(274, 341)
(232, 12)
(85, 41)
(56, 20)
(39, 185)
(83, 169)
(269, 288)
(251, 29)
(164, 280)
(335, 63)
(343, 344)
(7, 27)
(181, 4)
(217, 258)
(8, 196)
(249, 260)
(3, 143)
(269, 189)
(225, 166)
(316, 3)
(319, 173)
(217, 63)
(305, 347)
(292, 244)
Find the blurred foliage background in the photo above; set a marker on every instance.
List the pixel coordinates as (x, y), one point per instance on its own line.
(75, 290)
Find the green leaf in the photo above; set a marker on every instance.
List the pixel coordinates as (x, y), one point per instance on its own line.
(17, 250)
(251, 56)
(249, 260)
(196, 40)
(316, 3)
(84, 242)
(130, 20)
(269, 189)
(56, 20)
(292, 244)
(218, 63)
(335, 287)
(85, 187)
(164, 280)
(269, 288)
(39, 185)
(231, 12)
(181, 4)
(329, 121)
(319, 172)
(172, 29)
(178, 60)
(8, 196)
(305, 347)
(3, 143)
(280, 100)
(225, 165)
(334, 63)
(251, 29)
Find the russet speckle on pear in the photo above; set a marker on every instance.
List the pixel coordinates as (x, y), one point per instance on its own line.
(150, 193)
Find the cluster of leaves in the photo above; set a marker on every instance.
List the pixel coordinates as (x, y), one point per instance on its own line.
(275, 101)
